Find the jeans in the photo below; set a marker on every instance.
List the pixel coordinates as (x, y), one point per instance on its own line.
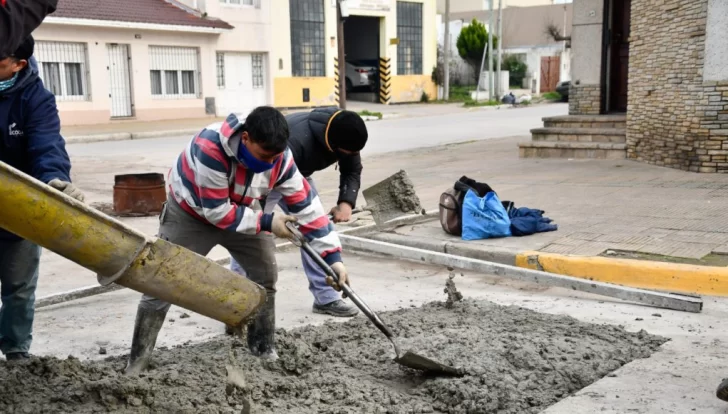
(19, 262)
(323, 294)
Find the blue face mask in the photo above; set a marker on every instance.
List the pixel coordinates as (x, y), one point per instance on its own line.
(7, 84)
(255, 165)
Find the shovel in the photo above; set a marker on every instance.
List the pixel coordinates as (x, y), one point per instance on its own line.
(408, 359)
(392, 198)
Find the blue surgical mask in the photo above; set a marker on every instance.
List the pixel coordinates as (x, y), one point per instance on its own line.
(253, 164)
(7, 84)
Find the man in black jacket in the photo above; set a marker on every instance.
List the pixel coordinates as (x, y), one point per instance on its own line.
(319, 139)
(18, 19)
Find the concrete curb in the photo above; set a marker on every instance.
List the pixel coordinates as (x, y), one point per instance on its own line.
(489, 253)
(126, 136)
(673, 277)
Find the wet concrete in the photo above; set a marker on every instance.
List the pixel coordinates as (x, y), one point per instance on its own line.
(516, 360)
(392, 198)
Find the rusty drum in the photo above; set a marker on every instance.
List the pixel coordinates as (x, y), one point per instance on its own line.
(139, 194)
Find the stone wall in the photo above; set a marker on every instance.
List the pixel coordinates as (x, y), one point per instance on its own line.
(674, 118)
(584, 99)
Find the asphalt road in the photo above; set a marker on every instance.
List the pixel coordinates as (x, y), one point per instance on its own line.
(384, 136)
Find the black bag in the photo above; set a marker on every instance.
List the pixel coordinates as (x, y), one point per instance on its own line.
(451, 203)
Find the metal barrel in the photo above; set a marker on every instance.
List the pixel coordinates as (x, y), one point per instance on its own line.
(120, 254)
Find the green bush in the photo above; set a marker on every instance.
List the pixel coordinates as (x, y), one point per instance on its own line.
(516, 70)
(425, 97)
(552, 96)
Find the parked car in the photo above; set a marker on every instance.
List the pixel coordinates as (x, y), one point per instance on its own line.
(563, 89)
(361, 75)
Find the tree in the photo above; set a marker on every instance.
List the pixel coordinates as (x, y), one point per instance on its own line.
(471, 44)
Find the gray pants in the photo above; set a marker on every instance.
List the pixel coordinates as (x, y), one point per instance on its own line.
(256, 254)
(18, 279)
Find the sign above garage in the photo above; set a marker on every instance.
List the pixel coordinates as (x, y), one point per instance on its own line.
(375, 5)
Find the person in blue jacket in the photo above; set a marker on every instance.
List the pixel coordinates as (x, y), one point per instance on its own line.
(31, 141)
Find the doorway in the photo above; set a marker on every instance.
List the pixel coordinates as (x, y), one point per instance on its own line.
(242, 84)
(122, 104)
(361, 45)
(618, 55)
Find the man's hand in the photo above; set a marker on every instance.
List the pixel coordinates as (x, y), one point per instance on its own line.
(340, 270)
(67, 188)
(279, 228)
(341, 213)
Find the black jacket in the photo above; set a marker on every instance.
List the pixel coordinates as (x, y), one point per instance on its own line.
(308, 144)
(18, 19)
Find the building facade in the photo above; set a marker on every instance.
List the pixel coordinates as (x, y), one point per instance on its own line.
(147, 60)
(663, 64)
(398, 37)
(150, 60)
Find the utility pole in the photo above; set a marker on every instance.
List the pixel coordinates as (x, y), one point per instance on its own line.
(446, 87)
(490, 50)
(342, 53)
(498, 91)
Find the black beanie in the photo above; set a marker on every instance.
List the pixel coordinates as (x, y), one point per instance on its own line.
(25, 50)
(347, 131)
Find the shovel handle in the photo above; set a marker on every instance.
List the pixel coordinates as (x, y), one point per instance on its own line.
(303, 244)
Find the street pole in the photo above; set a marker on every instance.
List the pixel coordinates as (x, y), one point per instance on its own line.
(342, 55)
(480, 73)
(490, 50)
(498, 91)
(446, 87)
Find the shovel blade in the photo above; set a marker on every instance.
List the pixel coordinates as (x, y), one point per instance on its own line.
(418, 362)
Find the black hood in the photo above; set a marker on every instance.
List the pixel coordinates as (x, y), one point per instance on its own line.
(26, 77)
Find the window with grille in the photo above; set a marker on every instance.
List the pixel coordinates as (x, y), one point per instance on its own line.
(409, 33)
(63, 68)
(308, 54)
(258, 77)
(174, 72)
(220, 65)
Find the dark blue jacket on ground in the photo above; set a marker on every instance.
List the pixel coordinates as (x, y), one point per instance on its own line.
(30, 131)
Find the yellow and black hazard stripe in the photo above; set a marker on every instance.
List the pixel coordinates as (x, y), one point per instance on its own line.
(337, 96)
(385, 80)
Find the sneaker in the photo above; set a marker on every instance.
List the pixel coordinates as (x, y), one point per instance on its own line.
(17, 356)
(336, 308)
(722, 391)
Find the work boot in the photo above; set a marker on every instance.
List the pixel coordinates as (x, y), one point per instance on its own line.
(336, 308)
(148, 324)
(722, 391)
(17, 356)
(261, 332)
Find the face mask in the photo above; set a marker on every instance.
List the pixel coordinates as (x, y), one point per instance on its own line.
(7, 84)
(255, 165)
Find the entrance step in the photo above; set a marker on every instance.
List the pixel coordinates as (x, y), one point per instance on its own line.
(586, 121)
(607, 135)
(557, 149)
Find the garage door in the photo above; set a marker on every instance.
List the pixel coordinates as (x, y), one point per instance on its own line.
(241, 81)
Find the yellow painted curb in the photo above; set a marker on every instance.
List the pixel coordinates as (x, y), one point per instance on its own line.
(684, 278)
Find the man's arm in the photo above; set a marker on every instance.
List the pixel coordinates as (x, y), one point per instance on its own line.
(18, 19)
(349, 179)
(46, 146)
(303, 203)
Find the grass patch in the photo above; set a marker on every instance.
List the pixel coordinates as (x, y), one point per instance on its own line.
(370, 113)
(551, 96)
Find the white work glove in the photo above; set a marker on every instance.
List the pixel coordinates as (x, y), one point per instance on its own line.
(278, 227)
(340, 270)
(67, 188)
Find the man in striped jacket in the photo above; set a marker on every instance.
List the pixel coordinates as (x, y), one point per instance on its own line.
(217, 193)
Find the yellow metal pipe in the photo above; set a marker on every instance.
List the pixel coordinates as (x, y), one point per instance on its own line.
(120, 254)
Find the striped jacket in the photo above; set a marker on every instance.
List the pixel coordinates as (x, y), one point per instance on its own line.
(211, 184)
